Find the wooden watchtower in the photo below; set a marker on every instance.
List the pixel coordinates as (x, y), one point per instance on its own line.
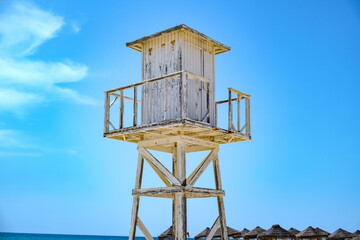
(178, 115)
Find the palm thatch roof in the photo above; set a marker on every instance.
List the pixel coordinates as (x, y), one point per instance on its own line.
(203, 234)
(340, 234)
(357, 233)
(293, 231)
(355, 238)
(312, 233)
(231, 232)
(319, 230)
(253, 233)
(167, 234)
(242, 233)
(276, 232)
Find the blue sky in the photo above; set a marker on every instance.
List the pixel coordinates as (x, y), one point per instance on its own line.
(300, 61)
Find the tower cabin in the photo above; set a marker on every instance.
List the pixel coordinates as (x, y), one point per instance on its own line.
(176, 92)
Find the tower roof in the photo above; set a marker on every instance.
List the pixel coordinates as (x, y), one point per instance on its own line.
(219, 47)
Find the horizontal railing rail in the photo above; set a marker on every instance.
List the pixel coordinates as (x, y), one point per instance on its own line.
(118, 93)
(242, 127)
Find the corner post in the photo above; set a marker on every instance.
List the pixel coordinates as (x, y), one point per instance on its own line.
(106, 112)
(184, 95)
(136, 199)
(179, 214)
(220, 200)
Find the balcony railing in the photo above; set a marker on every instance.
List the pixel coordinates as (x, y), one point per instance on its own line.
(117, 94)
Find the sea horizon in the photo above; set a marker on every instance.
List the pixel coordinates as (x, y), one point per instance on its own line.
(48, 236)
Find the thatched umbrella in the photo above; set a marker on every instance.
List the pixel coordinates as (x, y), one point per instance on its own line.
(311, 233)
(231, 232)
(340, 234)
(293, 231)
(276, 232)
(203, 234)
(167, 234)
(253, 233)
(357, 233)
(242, 233)
(319, 230)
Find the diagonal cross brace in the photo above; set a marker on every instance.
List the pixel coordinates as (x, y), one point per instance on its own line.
(194, 176)
(213, 229)
(160, 169)
(143, 229)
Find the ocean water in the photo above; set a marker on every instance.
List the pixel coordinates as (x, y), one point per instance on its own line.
(26, 236)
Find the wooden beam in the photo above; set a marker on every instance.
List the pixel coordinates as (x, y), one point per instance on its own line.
(159, 166)
(135, 120)
(121, 122)
(213, 229)
(194, 176)
(106, 113)
(168, 192)
(247, 113)
(144, 230)
(136, 199)
(160, 141)
(238, 92)
(230, 111)
(200, 142)
(220, 200)
(238, 111)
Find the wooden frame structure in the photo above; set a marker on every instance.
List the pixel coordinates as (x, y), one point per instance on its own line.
(178, 186)
(178, 114)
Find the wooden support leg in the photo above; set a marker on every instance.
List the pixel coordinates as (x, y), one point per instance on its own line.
(136, 199)
(179, 204)
(220, 200)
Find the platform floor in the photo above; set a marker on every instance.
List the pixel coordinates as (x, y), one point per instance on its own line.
(178, 127)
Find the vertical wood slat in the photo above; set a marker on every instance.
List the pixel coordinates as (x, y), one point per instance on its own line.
(121, 120)
(238, 113)
(208, 102)
(106, 112)
(150, 102)
(230, 112)
(135, 107)
(247, 113)
(165, 99)
(183, 95)
(216, 113)
(136, 199)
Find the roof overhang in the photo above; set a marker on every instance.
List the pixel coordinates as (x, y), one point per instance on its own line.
(137, 44)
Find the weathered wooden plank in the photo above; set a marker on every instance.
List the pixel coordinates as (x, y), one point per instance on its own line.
(180, 198)
(159, 166)
(168, 191)
(144, 230)
(238, 112)
(213, 229)
(106, 113)
(136, 199)
(195, 175)
(121, 122)
(247, 113)
(238, 92)
(220, 201)
(160, 141)
(135, 120)
(230, 111)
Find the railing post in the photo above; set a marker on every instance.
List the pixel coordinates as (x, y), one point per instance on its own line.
(208, 101)
(135, 107)
(106, 112)
(247, 112)
(230, 111)
(121, 122)
(238, 112)
(183, 95)
(216, 107)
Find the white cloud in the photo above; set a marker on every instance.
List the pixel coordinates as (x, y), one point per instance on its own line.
(24, 81)
(24, 27)
(40, 73)
(13, 101)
